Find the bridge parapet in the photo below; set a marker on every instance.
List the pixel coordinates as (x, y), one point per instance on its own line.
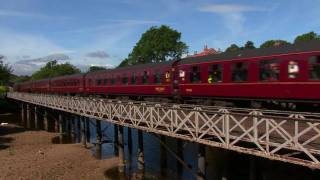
(280, 135)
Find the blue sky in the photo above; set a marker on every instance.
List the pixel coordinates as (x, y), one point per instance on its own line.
(104, 31)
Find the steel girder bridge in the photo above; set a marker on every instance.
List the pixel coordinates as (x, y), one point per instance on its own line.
(292, 137)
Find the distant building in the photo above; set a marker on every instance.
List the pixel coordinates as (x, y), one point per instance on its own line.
(206, 51)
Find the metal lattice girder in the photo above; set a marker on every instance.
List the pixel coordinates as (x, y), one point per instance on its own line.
(281, 135)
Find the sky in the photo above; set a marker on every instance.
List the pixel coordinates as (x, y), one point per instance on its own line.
(103, 32)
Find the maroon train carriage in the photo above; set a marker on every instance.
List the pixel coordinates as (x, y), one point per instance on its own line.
(134, 81)
(25, 86)
(69, 85)
(41, 86)
(289, 73)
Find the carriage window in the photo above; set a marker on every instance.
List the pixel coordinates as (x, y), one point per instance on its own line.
(113, 81)
(239, 72)
(215, 73)
(99, 82)
(168, 76)
(105, 81)
(195, 74)
(145, 77)
(269, 70)
(314, 67)
(157, 77)
(125, 79)
(133, 78)
(293, 69)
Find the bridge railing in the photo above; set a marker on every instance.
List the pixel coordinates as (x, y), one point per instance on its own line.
(281, 135)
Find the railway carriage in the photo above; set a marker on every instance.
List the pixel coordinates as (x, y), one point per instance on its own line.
(289, 73)
(134, 81)
(69, 85)
(41, 86)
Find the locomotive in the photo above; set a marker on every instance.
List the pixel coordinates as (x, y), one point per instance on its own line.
(288, 75)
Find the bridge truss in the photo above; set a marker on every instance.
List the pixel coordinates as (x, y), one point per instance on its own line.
(292, 137)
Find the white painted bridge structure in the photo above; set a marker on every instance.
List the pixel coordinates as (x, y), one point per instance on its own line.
(292, 137)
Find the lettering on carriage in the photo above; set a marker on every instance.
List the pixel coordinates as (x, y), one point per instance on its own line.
(188, 90)
(160, 89)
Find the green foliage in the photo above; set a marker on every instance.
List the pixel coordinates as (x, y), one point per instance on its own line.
(156, 45)
(307, 37)
(125, 62)
(96, 68)
(52, 69)
(274, 43)
(3, 89)
(249, 45)
(233, 48)
(19, 79)
(5, 72)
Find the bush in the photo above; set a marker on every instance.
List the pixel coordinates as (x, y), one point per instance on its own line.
(3, 89)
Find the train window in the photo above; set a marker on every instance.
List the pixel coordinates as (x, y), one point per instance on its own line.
(105, 81)
(133, 78)
(125, 79)
(195, 74)
(99, 81)
(215, 73)
(168, 76)
(314, 67)
(269, 70)
(113, 81)
(157, 77)
(145, 77)
(293, 69)
(239, 72)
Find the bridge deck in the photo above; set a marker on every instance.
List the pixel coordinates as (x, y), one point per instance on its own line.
(286, 136)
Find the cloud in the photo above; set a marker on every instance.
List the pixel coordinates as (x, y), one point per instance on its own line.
(98, 54)
(229, 8)
(20, 14)
(111, 24)
(27, 67)
(14, 45)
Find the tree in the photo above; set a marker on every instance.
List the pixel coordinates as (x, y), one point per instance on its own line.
(96, 68)
(5, 71)
(233, 48)
(307, 37)
(125, 62)
(157, 44)
(249, 45)
(274, 43)
(53, 69)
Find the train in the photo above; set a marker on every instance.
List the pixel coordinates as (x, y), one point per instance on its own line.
(287, 75)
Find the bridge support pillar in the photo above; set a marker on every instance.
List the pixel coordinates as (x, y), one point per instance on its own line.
(60, 125)
(45, 120)
(115, 136)
(180, 155)
(140, 152)
(201, 172)
(83, 131)
(36, 121)
(78, 129)
(73, 129)
(98, 139)
(163, 155)
(121, 149)
(56, 124)
(87, 129)
(253, 169)
(22, 115)
(129, 140)
(28, 117)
